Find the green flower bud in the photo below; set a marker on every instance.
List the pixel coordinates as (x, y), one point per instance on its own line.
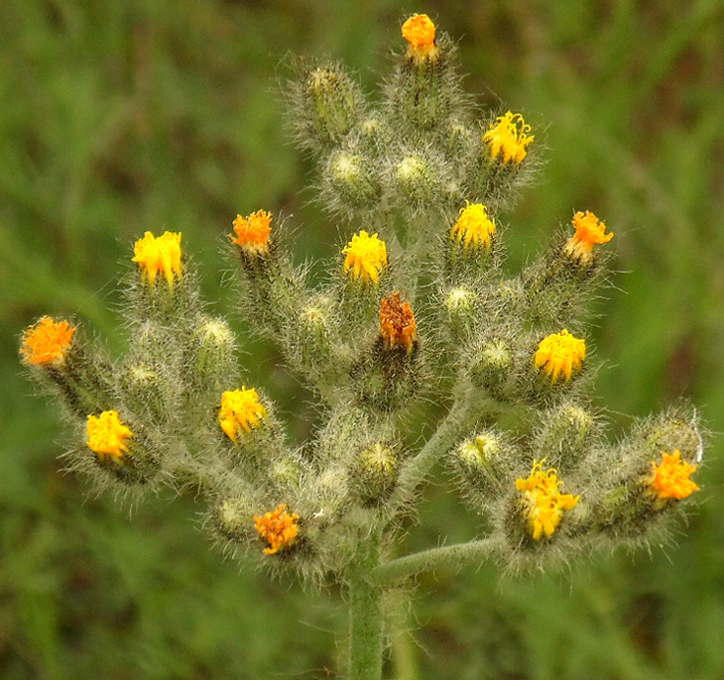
(481, 463)
(333, 102)
(374, 474)
(460, 305)
(565, 436)
(232, 518)
(415, 179)
(494, 369)
(351, 180)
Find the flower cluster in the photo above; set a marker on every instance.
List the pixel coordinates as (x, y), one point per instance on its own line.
(480, 342)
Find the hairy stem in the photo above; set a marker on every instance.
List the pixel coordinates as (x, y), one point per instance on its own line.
(449, 556)
(365, 616)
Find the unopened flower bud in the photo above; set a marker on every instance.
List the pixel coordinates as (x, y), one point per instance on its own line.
(352, 180)
(565, 435)
(374, 474)
(232, 518)
(482, 465)
(415, 179)
(494, 367)
(460, 305)
(213, 345)
(333, 103)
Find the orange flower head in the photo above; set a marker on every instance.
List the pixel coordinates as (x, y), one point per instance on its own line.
(474, 228)
(508, 138)
(545, 503)
(670, 478)
(560, 354)
(397, 323)
(47, 342)
(162, 254)
(252, 232)
(107, 435)
(590, 231)
(278, 528)
(419, 31)
(240, 410)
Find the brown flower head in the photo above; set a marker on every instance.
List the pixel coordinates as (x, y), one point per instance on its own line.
(397, 322)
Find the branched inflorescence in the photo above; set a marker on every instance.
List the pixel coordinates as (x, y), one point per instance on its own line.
(416, 305)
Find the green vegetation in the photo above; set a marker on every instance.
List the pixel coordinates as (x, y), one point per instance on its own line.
(123, 117)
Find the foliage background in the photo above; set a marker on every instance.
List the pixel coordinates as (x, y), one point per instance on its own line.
(120, 117)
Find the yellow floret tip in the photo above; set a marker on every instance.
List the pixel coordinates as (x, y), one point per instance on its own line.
(670, 478)
(108, 435)
(560, 355)
(47, 342)
(545, 504)
(240, 410)
(366, 257)
(474, 228)
(278, 528)
(162, 254)
(508, 138)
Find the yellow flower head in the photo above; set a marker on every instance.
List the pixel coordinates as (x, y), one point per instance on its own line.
(590, 231)
(252, 232)
(240, 409)
(419, 31)
(508, 138)
(107, 435)
(545, 503)
(670, 478)
(162, 254)
(474, 228)
(278, 528)
(560, 354)
(397, 322)
(47, 342)
(366, 257)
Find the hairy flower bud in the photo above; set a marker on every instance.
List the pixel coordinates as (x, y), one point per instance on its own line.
(460, 306)
(351, 179)
(332, 103)
(482, 466)
(565, 435)
(415, 179)
(374, 474)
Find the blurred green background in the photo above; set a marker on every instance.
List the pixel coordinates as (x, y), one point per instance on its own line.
(124, 116)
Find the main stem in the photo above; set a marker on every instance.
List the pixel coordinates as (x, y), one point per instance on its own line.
(365, 615)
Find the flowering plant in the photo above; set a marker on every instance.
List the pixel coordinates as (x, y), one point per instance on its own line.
(416, 305)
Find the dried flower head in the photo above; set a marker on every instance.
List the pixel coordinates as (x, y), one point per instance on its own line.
(47, 342)
(107, 435)
(366, 257)
(397, 322)
(474, 228)
(669, 479)
(590, 231)
(545, 504)
(508, 138)
(419, 31)
(278, 528)
(560, 354)
(162, 254)
(252, 232)
(240, 410)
